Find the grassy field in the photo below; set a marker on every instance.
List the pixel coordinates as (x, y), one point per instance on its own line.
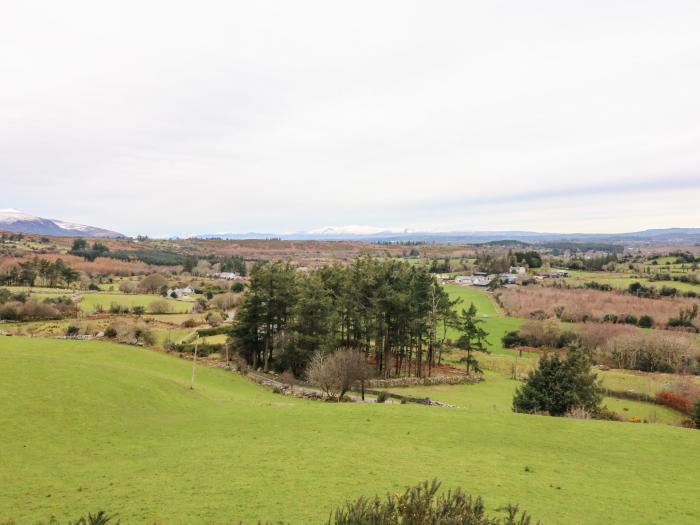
(495, 322)
(622, 281)
(175, 335)
(89, 425)
(175, 318)
(495, 394)
(90, 301)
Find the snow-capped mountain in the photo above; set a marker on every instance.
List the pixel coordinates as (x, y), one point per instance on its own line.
(375, 234)
(354, 230)
(12, 220)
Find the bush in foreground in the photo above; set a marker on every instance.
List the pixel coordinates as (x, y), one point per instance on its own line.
(418, 505)
(421, 505)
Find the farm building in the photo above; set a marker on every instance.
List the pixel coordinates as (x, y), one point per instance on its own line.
(180, 292)
(508, 278)
(229, 276)
(474, 280)
(555, 274)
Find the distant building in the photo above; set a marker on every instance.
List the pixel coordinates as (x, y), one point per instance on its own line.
(555, 274)
(508, 278)
(229, 276)
(520, 270)
(474, 280)
(180, 292)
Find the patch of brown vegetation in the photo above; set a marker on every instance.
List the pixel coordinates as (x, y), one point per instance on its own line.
(577, 305)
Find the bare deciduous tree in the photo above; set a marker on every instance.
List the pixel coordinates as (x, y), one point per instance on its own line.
(335, 373)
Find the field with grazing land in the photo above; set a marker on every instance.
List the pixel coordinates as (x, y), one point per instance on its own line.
(495, 394)
(622, 280)
(133, 438)
(495, 322)
(91, 302)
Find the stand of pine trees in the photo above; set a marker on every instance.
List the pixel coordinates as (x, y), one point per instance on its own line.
(394, 312)
(40, 272)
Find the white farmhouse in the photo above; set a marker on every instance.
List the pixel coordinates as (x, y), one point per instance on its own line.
(180, 292)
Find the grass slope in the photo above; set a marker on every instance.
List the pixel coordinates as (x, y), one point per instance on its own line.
(90, 425)
(495, 322)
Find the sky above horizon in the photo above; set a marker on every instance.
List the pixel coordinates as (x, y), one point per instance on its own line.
(174, 118)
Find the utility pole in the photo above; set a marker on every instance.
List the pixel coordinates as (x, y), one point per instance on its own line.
(194, 362)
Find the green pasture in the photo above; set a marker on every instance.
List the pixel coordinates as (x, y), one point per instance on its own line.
(175, 318)
(495, 395)
(495, 322)
(93, 425)
(176, 335)
(90, 301)
(622, 281)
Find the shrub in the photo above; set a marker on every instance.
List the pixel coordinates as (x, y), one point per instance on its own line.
(696, 413)
(33, 310)
(652, 352)
(629, 319)
(138, 310)
(685, 318)
(674, 400)
(160, 307)
(595, 335)
(72, 330)
(237, 287)
(153, 283)
(214, 319)
(130, 333)
(421, 505)
(93, 287)
(512, 339)
(9, 313)
(127, 287)
(100, 518)
(190, 322)
(645, 321)
(116, 308)
(143, 334)
(226, 301)
(287, 377)
(558, 385)
(545, 333)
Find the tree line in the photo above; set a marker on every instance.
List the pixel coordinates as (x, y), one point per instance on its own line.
(395, 313)
(41, 272)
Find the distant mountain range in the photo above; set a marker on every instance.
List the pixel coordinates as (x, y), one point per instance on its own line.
(370, 234)
(12, 220)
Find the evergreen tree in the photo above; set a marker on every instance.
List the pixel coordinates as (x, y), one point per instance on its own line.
(557, 385)
(472, 338)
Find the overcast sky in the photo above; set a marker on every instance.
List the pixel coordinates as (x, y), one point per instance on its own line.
(189, 117)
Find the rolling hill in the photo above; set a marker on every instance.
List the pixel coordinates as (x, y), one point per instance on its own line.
(93, 425)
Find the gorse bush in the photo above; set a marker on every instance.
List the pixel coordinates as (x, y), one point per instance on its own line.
(421, 505)
(418, 505)
(99, 518)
